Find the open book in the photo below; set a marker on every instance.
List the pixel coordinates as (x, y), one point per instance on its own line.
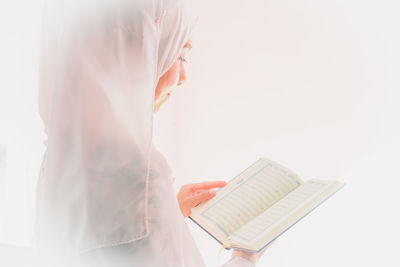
(260, 204)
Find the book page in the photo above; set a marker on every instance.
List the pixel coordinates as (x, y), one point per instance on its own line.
(248, 195)
(282, 209)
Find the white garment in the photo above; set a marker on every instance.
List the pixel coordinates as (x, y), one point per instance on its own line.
(166, 240)
(101, 189)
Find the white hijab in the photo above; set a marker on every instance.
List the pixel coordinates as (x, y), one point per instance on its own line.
(99, 65)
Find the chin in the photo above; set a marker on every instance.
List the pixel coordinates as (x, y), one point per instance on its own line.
(159, 103)
(157, 107)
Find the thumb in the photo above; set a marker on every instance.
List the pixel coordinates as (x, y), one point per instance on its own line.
(192, 201)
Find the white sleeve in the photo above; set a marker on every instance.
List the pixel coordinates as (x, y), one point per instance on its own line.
(238, 262)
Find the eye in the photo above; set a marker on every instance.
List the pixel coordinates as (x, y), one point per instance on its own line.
(182, 59)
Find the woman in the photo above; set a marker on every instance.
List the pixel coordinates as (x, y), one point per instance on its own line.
(105, 195)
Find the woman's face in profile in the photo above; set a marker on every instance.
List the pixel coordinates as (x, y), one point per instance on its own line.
(173, 77)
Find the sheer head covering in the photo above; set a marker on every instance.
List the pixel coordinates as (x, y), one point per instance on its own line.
(99, 65)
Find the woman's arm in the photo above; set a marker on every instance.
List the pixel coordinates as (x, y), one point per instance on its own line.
(244, 259)
(238, 261)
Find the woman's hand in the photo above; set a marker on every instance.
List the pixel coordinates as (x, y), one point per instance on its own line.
(253, 257)
(190, 195)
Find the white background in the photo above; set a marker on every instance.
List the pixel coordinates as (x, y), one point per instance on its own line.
(313, 85)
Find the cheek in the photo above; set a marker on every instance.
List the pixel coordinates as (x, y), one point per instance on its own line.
(168, 80)
(171, 77)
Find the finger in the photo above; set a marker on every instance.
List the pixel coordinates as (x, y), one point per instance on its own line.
(198, 192)
(259, 254)
(192, 201)
(263, 251)
(207, 185)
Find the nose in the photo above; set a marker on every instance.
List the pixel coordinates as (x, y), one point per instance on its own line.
(182, 75)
